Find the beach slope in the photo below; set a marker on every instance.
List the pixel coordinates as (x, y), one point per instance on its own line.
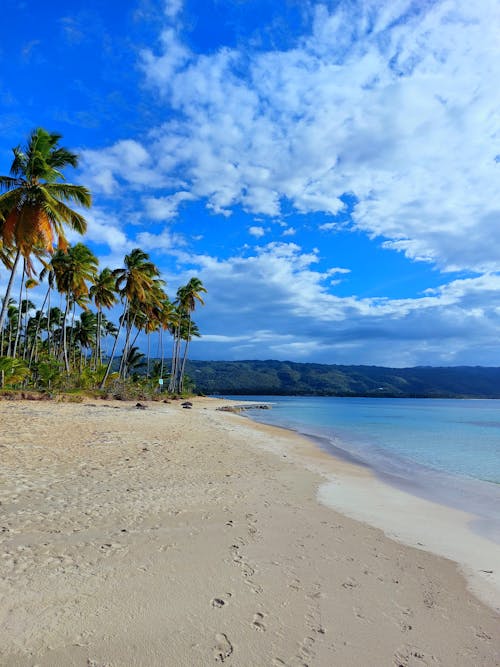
(188, 537)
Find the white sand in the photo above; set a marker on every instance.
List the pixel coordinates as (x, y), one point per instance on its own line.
(171, 537)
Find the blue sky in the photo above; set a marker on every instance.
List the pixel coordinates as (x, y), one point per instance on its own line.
(330, 170)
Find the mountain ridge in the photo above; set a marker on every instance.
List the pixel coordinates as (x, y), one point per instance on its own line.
(274, 377)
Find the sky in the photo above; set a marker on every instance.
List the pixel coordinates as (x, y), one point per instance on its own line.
(329, 170)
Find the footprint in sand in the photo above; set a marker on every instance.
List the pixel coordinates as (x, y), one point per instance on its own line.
(223, 647)
(410, 656)
(218, 603)
(257, 623)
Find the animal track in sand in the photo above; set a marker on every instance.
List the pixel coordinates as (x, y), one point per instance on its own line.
(257, 622)
(411, 656)
(218, 603)
(223, 647)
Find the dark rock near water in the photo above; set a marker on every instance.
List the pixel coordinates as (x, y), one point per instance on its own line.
(241, 408)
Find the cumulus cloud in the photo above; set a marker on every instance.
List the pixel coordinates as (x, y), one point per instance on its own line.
(392, 103)
(173, 8)
(165, 208)
(256, 231)
(126, 161)
(285, 308)
(389, 105)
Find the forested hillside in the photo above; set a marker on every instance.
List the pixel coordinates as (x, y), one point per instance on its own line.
(285, 377)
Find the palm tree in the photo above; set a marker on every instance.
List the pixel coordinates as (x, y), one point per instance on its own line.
(103, 293)
(86, 333)
(73, 270)
(134, 283)
(187, 296)
(48, 272)
(33, 210)
(163, 321)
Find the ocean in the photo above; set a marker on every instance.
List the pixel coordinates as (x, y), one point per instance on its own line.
(444, 450)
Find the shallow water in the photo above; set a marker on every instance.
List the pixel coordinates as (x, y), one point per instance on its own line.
(445, 450)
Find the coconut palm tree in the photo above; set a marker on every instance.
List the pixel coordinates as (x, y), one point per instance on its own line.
(134, 283)
(46, 272)
(103, 293)
(86, 333)
(187, 296)
(73, 271)
(33, 208)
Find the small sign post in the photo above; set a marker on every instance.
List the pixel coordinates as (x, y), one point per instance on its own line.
(160, 382)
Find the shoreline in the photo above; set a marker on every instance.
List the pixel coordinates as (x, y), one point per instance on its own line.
(471, 495)
(439, 528)
(134, 538)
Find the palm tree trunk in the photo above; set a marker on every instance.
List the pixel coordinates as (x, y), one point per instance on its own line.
(162, 353)
(127, 347)
(149, 354)
(113, 352)
(97, 358)
(20, 315)
(5, 301)
(176, 362)
(181, 378)
(37, 328)
(171, 384)
(64, 337)
(173, 365)
(49, 337)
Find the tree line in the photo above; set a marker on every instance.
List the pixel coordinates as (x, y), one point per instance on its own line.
(69, 341)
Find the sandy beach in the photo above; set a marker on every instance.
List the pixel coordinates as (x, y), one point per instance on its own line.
(187, 538)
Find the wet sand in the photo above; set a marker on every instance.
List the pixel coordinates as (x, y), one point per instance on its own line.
(178, 537)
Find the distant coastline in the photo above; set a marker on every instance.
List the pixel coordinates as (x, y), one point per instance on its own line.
(287, 378)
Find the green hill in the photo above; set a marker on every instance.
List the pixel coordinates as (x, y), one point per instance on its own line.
(290, 378)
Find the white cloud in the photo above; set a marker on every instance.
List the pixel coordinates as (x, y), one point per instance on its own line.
(256, 231)
(173, 8)
(103, 228)
(285, 310)
(391, 106)
(390, 102)
(126, 160)
(165, 241)
(165, 208)
(329, 226)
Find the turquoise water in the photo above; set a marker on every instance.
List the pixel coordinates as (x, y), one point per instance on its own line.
(448, 450)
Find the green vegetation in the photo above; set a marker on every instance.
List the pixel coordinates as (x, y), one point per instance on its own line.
(289, 378)
(63, 348)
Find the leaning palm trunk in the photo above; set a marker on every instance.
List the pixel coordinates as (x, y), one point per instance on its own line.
(37, 329)
(172, 387)
(98, 355)
(5, 301)
(122, 370)
(65, 337)
(72, 345)
(184, 359)
(20, 315)
(162, 353)
(49, 337)
(113, 352)
(149, 354)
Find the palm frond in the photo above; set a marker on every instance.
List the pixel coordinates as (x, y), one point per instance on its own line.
(8, 182)
(66, 191)
(58, 211)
